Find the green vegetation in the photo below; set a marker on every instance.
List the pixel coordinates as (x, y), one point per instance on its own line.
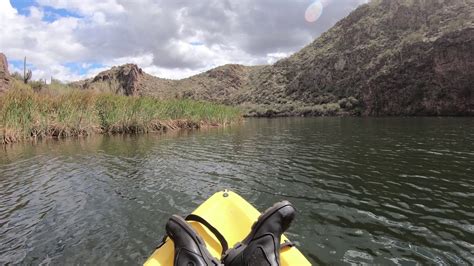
(344, 107)
(59, 111)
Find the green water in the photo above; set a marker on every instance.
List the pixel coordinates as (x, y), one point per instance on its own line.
(367, 190)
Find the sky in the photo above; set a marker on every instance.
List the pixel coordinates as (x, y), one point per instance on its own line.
(76, 39)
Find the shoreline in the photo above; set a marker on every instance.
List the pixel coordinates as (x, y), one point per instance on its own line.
(162, 127)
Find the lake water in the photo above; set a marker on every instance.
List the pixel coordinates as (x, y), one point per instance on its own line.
(367, 190)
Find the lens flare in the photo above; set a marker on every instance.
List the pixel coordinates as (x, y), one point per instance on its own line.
(314, 11)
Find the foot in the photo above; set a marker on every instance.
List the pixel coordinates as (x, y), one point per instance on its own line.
(262, 245)
(189, 248)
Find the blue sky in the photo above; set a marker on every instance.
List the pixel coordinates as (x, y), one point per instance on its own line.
(74, 39)
(51, 14)
(83, 68)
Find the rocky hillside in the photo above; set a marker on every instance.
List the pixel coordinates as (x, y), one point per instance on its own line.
(403, 57)
(395, 57)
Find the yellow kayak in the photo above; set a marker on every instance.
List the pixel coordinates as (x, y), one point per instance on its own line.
(233, 217)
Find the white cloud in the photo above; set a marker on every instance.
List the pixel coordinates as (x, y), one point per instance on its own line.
(273, 57)
(172, 73)
(6, 10)
(171, 39)
(142, 60)
(46, 45)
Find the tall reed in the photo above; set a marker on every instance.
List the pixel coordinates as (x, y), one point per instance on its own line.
(63, 112)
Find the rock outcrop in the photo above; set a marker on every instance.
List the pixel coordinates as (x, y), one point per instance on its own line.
(4, 74)
(388, 57)
(128, 80)
(124, 80)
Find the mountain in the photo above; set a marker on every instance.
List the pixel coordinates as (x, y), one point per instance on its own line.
(405, 57)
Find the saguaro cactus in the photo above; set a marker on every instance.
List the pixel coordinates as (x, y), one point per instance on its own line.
(26, 74)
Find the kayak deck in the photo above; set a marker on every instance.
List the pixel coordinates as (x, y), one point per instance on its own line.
(233, 217)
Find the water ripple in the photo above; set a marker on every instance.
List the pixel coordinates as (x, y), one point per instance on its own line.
(368, 191)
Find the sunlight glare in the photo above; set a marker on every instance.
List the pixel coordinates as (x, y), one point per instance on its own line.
(314, 11)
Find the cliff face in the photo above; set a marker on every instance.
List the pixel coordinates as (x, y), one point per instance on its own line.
(434, 79)
(4, 74)
(402, 57)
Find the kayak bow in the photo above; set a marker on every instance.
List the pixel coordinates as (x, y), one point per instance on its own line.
(233, 217)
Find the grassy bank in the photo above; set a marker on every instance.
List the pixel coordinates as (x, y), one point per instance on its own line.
(25, 114)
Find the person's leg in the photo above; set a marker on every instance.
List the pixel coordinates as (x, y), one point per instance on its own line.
(262, 245)
(189, 248)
